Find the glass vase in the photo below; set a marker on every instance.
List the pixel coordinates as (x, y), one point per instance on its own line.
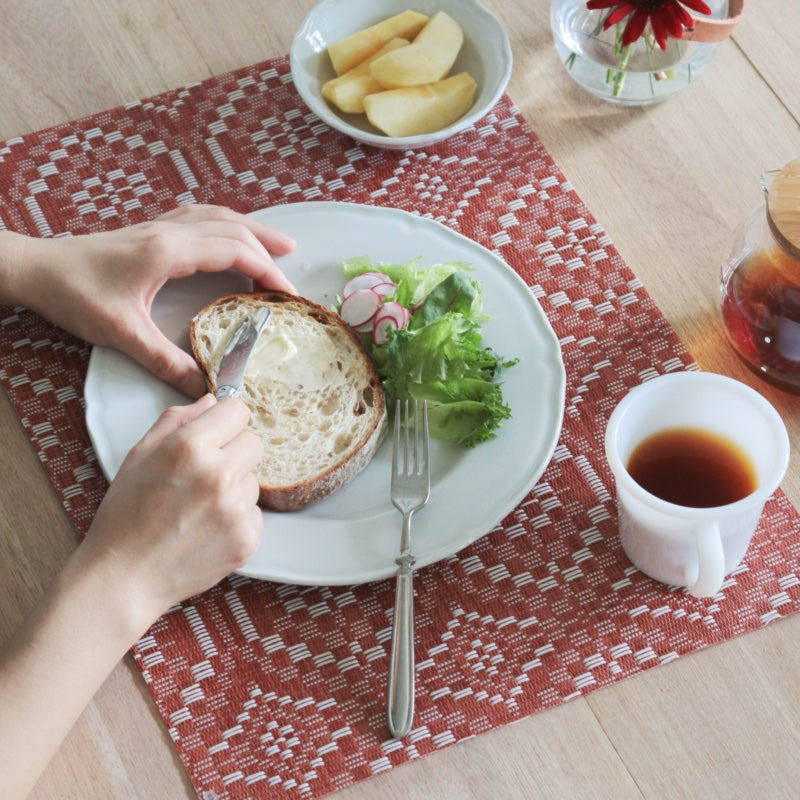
(642, 73)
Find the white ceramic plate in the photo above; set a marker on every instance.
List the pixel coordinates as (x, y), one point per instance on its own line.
(485, 54)
(352, 536)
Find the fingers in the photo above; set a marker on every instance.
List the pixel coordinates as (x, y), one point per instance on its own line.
(148, 345)
(215, 422)
(245, 449)
(222, 422)
(274, 241)
(173, 419)
(252, 537)
(228, 483)
(222, 246)
(182, 512)
(259, 241)
(189, 239)
(174, 366)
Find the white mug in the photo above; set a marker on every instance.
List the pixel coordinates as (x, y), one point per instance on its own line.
(681, 545)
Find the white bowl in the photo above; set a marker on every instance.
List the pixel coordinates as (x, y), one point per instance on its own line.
(485, 54)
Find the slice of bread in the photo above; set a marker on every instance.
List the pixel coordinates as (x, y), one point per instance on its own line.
(315, 396)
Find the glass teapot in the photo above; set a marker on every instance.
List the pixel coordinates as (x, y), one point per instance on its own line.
(761, 282)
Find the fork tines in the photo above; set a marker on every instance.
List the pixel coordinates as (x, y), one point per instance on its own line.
(410, 451)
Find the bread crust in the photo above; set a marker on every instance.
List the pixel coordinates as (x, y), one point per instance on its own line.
(345, 466)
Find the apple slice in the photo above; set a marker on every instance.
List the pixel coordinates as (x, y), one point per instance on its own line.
(414, 110)
(426, 60)
(347, 91)
(352, 50)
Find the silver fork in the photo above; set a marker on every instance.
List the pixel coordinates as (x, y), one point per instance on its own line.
(411, 486)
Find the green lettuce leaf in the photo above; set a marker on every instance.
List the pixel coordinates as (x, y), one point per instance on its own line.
(440, 356)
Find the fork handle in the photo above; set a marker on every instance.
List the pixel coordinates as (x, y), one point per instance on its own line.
(401, 664)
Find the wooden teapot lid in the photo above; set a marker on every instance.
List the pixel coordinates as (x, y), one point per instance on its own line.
(783, 206)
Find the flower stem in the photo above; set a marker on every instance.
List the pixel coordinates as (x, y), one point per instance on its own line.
(623, 53)
(619, 81)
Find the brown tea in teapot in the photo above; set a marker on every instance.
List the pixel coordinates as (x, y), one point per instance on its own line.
(760, 300)
(761, 311)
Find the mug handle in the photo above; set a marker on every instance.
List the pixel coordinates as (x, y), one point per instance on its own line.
(710, 560)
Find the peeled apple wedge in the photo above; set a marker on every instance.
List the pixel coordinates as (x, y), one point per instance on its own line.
(352, 50)
(414, 110)
(347, 91)
(426, 60)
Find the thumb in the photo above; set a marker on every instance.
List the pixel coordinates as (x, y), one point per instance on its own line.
(165, 360)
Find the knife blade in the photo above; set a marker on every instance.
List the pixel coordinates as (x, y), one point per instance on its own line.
(237, 353)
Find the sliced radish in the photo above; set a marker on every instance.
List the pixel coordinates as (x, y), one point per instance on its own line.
(384, 289)
(366, 280)
(360, 307)
(399, 313)
(390, 315)
(380, 333)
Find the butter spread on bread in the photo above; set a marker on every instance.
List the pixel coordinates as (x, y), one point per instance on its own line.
(313, 392)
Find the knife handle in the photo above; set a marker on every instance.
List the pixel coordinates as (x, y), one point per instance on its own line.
(227, 391)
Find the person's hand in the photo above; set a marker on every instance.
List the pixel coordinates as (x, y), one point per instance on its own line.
(182, 512)
(179, 516)
(101, 286)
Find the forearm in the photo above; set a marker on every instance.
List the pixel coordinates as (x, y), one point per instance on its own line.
(22, 259)
(55, 663)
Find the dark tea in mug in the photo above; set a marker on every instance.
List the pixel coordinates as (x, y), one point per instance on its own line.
(692, 467)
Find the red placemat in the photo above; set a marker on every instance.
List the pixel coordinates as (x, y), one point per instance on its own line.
(275, 690)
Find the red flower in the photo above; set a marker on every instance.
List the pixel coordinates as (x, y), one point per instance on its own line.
(667, 17)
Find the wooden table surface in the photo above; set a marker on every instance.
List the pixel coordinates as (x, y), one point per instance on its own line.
(669, 184)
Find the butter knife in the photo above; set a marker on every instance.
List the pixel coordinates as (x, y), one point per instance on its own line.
(237, 353)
